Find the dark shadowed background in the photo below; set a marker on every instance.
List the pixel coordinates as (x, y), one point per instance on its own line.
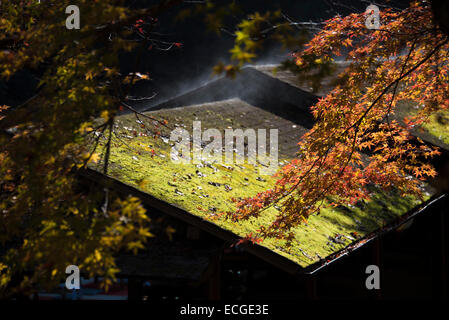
(181, 69)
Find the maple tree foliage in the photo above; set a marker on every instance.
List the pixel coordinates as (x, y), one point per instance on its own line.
(47, 221)
(357, 143)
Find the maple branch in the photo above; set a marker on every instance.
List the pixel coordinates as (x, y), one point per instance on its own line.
(108, 147)
(356, 128)
(97, 140)
(416, 66)
(144, 115)
(397, 84)
(124, 143)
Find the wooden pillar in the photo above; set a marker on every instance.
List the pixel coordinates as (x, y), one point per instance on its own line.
(214, 282)
(377, 258)
(440, 246)
(443, 251)
(134, 289)
(311, 287)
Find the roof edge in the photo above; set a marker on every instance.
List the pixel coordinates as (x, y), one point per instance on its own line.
(258, 250)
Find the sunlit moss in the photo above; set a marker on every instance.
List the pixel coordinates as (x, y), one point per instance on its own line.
(438, 126)
(133, 162)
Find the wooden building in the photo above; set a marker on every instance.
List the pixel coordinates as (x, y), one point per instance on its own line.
(199, 258)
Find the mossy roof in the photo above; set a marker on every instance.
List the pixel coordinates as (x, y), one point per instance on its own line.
(435, 131)
(205, 189)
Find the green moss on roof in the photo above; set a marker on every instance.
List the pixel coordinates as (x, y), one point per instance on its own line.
(205, 190)
(438, 126)
(435, 131)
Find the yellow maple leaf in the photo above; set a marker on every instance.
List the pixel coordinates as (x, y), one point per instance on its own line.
(95, 157)
(170, 230)
(105, 115)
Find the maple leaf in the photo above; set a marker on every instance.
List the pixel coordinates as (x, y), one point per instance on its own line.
(95, 157)
(170, 231)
